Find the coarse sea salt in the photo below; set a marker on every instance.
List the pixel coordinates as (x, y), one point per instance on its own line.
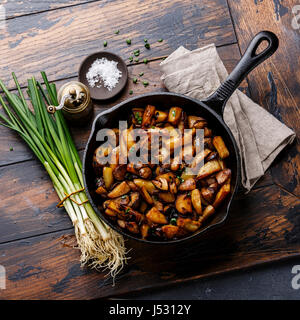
(104, 70)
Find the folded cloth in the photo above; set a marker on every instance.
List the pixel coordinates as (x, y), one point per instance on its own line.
(259, 135)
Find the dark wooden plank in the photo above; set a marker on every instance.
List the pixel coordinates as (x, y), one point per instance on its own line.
(229, 54)
(283, 69)
(58, 40)
(8, 139)
(36, 213)
(28, 202)
(16, 8)
(263, 226)
(29, 182)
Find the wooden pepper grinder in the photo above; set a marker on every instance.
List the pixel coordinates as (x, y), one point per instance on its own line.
(75, 102)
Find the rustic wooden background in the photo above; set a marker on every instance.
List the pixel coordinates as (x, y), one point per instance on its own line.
(55, 36)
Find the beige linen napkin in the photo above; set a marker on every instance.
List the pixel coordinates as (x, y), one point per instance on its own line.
(259, 135)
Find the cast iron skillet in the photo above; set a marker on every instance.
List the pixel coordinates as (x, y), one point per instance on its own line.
(211, 109)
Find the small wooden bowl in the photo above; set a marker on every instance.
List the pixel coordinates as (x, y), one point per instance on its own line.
(103, 93)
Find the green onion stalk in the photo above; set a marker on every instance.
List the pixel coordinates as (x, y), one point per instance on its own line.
(49, 138)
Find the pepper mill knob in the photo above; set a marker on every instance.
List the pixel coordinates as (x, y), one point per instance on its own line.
(72, 92)
(51, 109)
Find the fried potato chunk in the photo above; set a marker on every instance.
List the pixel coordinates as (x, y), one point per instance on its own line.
(108, 177)
(147, 116)
(209, 168)
(170, 231)
(174, 115)
(196, 200)
(119, 190)
(220, 146)
(184, 204)
(155, 216)
(221, 195)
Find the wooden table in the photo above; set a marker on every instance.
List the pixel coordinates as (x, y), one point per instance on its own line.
(55, 36)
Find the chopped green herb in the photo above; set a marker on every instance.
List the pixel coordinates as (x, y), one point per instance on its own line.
(180, 179)
(117, 31)
(11, 149)
(145, 61)
(153, 127)
(136, 59)
(105, 43)
(136, 52)
(145, 40)
(128, 41)
(130, 59)
(138, 117)
(130, 92)
(141, 74)
(145, 83)
(127, 210)
(147, 45)
(160, 40)
(134, 80)
(173, 221)
(128, 176)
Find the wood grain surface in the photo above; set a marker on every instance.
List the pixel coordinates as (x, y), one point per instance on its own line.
(58, 40)
(263, 226)
(276, 83)
(8, 139)
(36, 238)
(17, 8)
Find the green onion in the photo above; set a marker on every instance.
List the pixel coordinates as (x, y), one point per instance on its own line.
(145, 83)
(128, 41)
(105, 43)
(130, 92)
(50, 140)
(180, 179)
(145, 61)
(141, 74)
(147, 45)
(145, 40)
(117, 31)
(130, 59)
(136, 60)
(173, 221)
(128, 176)
(11, 149)
(134, 80)
(136, 52)
(137, 115)
(160, 40)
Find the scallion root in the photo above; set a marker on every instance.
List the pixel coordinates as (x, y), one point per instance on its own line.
(49, 138)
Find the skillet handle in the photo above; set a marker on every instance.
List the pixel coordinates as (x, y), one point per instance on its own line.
(247, 63)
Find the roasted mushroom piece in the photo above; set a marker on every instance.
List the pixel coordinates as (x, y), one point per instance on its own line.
(173, 196)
